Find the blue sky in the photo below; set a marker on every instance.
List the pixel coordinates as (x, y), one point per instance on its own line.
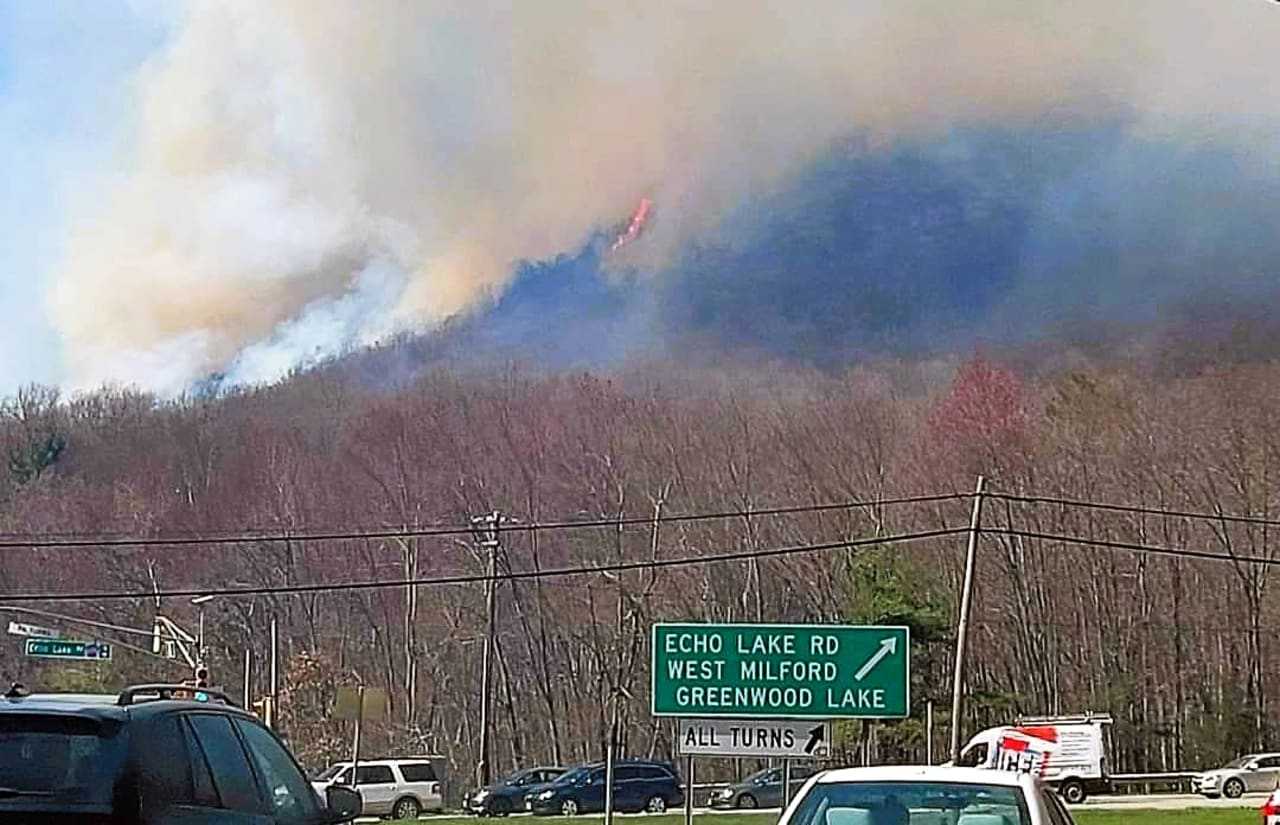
(65, 69)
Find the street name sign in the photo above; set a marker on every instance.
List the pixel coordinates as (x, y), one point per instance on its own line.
(754, 671)
(63, 649)
(368, 704)
(24, 629)
(797, 739)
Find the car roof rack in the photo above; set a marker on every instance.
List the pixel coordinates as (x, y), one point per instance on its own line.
(132, 694)
(1104, 718)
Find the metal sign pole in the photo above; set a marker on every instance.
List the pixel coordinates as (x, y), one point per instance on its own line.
(608, 764)
(248, 678)
(355, 740)
(688, 797)
(275, 672)
(928, 733)
(786, 783)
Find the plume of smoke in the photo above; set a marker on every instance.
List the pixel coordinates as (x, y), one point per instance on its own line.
(284, 147)
(326, 328)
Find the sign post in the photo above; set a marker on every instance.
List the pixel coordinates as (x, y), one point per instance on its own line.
(781, 671)
(688, 797)
(42, 648)
(355, 740)
(356, 705)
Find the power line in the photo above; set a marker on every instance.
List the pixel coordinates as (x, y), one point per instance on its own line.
(1242, 630)
(36, 542)
(647, 564)
(1130, 508)
(1151, 549)
(14, 541)
(513, 575)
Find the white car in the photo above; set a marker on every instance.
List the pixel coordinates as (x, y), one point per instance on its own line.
(1255, 773)
(907, 795)
(401, 788)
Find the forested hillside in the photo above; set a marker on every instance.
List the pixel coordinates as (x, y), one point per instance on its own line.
(1180, 650)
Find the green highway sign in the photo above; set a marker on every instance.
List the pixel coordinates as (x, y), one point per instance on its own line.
(63, 649)
(752, 671)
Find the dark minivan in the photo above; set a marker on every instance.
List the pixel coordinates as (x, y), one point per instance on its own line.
(638, 785)
(155, 755)
(508, 795)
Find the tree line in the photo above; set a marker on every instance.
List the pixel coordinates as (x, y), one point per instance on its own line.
(1178, 650)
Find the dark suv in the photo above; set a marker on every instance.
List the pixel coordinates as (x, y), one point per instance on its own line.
(154, 754)
(638, 785)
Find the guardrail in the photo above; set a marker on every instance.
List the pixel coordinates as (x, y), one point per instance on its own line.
(1180, 780)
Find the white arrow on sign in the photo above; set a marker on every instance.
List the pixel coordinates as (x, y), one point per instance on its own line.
(887, 647)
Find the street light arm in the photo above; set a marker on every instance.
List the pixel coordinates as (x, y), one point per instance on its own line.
(76, 620)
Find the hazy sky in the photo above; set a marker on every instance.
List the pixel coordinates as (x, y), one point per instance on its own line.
(238, 188)
(64, 71)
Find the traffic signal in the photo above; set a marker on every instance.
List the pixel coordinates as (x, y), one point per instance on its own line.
(202, 676)
(262, 707)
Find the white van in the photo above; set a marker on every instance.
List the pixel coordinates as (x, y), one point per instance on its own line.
(1066, 752)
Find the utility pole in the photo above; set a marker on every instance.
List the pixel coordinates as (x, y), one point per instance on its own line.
(492, 523)
(962, 632)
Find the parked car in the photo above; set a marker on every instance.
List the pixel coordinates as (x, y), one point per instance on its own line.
(1254, 773)
(507, 795)
(900, 795)
(155, 755)
(762, 789)
(399, 788)
(638, 785)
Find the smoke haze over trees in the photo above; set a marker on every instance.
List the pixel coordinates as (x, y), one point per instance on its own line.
(304, 178)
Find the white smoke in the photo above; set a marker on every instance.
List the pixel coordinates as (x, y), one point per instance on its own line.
(325, 328)
(289, 148)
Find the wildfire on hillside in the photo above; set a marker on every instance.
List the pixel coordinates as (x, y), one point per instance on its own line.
(639, 220)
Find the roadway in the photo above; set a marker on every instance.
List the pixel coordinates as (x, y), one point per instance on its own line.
(1148, 802)
(1115, 802)
(1169, 802)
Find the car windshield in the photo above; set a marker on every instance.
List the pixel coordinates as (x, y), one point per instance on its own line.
(1238, 763)
(329, 773)
(575, 776)
(762, 777)
(910, 803)
(61, 757)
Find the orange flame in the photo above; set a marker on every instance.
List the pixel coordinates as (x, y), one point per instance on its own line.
(638, 221)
